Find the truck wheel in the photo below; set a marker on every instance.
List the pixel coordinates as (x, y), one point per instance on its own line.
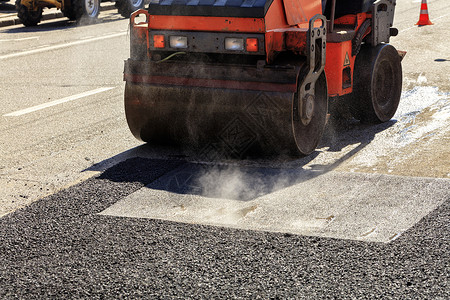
(126, 7)
(70, 12)
(26, 16)
(377, 84)
(86, 11)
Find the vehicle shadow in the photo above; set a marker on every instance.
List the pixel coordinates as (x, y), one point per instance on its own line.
(60, 24)
(8, 7)
(44, 27)
(167, 169)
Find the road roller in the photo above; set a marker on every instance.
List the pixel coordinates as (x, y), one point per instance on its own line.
(252, 76)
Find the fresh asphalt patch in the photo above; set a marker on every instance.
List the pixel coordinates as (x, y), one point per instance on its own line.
(65, 246)
(370, 207)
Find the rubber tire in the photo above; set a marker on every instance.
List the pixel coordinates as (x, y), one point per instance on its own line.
(126, 7)
(377, 84)
(307, 137)
(69, 12)
(27, 17)
(85, 14)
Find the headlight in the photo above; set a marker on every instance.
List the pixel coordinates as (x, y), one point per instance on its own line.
(235, 44)
(178, 42)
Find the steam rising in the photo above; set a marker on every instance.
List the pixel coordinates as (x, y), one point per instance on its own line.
(241, 183)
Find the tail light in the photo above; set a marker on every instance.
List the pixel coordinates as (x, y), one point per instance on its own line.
(252, 45)
(159, 41)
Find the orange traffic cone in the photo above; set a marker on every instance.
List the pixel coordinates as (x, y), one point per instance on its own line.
(424, 19)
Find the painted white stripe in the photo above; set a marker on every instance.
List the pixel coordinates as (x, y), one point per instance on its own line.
(61, 46)
(415, 26)
(56, 102)
(21, 39)
(8, 15)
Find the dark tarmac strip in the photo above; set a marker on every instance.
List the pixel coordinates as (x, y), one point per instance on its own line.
(60, 247)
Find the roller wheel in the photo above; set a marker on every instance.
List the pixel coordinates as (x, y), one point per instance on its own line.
(222, 120)
(377, 84)
(126, 7)
(86, 11)
(308, 130)
(26, 16)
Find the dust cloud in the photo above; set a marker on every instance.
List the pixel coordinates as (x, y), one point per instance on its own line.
(243, 183)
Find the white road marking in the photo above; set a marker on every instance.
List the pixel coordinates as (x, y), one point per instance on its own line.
(415, 26)
(8, 15)
(56, 102)
(61, 46)
(20, 39)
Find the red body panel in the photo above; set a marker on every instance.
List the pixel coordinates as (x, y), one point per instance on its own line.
(336, 63)
(298, 11)
(206, 23)
(276, 17)
(285, 26)
(339, 58)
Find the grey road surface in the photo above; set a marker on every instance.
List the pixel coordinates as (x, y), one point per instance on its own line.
(87, 211)
(62, 247)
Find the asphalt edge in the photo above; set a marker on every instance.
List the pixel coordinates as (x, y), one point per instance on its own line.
(48, 16)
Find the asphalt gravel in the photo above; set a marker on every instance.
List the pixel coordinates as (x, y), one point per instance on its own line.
(60, 247)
